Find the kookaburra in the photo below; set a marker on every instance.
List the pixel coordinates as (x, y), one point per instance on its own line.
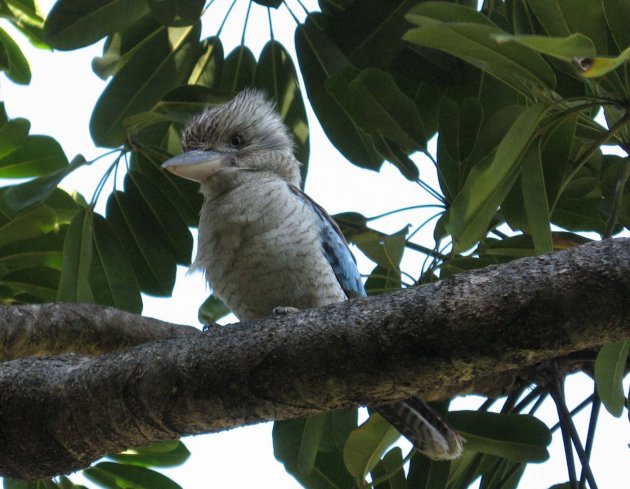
(264, 244)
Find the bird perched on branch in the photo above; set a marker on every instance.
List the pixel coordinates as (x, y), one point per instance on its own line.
(264, 244)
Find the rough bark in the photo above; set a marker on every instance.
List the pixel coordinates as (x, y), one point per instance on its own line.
(59, 413)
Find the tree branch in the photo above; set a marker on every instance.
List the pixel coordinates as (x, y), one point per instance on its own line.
(60, 413)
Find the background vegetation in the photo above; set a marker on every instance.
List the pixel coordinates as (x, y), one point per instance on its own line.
(512, 91)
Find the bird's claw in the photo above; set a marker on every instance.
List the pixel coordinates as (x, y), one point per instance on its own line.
(284, 310)
(208, 327)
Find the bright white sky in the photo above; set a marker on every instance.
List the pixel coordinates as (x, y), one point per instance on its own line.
(59, 102)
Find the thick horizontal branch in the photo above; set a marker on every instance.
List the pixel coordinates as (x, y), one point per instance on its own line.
(51, 329)
(60, 413)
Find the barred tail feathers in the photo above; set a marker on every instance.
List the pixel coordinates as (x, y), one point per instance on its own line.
(429, 434)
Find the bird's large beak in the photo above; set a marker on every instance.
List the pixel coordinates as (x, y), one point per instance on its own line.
(197, 165)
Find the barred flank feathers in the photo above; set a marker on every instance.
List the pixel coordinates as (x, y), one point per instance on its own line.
(423, 428)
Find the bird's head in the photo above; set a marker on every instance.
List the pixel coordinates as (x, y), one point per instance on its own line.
(244, 135)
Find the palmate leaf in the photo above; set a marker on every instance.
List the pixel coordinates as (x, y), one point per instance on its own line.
(112, 279)
(389, 473)
(296, 441)
(162, 61)
(276, 75)
(74, 285)
(520, 438)
(151, 259)
(488, 184)
(209, 65)
(239, 70)
(319, 60)
(176, 13)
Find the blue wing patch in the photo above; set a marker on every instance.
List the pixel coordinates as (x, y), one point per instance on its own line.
(336, 249)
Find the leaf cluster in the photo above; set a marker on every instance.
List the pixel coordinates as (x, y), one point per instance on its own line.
(510, 92)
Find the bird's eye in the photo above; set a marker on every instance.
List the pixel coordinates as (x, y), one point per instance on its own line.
(236, 141)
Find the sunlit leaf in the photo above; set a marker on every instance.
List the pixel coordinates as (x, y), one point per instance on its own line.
(161, 62)
(518, 66)
(487, 185)
(208, 68)
(161, 454)
(599, 66)
(367, 444)
(12, 60)
(212, 310)
(37, 155)
(567, 48)
(114, 476)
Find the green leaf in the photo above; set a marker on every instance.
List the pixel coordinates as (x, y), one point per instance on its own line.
(550, 16)
(239, 70)
(29, 224)
(276, 75)
(114, 476)
(290, 446)
(378, 105)
(459, 126)
(183, 195)
(387, 251)
(535, 200)
(212, 310)
(320, 60)
(161, 454)
(41, 251)
(13, 133)
(367, 443)
(29, 285)
(517, 66)
(24, 196)
(617, 12)
(521, 438)
(176, 12)
(161, 61)
(38, 155)
(152, 261)
(72, 24)
(154, 205)
(112, 280)
(610, 368)
(438, 12)
(389, 473)
(269, 3)
(599, 66)
(565, 48)
(27, 18)
(12, 60)
(425, 473)
(208, 68)
(74, 285)
(488, 184)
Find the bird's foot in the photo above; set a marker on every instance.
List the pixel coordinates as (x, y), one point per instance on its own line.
(284, 310)
(208, 327)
